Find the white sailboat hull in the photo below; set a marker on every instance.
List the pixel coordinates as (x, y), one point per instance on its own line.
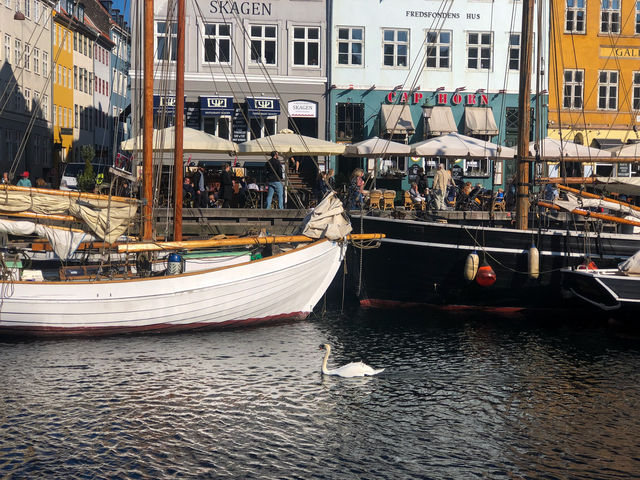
(284, 286)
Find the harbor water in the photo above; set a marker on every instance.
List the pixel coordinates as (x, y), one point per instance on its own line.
(461, 396)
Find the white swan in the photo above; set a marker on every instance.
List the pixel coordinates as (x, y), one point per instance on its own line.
(354, 369)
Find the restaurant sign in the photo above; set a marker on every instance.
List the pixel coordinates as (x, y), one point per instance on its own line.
(303, 108)
(216, 106)
(455, 98)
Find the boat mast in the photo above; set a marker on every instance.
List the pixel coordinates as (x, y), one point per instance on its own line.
(524, 119)
(178, 168)
(147, 128)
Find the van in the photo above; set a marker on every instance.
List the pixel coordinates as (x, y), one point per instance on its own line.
(71, 172)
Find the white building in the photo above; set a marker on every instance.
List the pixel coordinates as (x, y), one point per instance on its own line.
(25, 87)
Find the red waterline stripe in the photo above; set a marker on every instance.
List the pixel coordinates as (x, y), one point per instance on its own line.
(388, 304)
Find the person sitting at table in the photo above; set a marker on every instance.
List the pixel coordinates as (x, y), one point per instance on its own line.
(188, 192)
(356, 189)
(251, 184)
(294, 165)
(213, 202)
(415, 194)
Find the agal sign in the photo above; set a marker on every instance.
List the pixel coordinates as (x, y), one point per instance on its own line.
(455, 98)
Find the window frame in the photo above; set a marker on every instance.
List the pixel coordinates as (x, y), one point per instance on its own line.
(610, 14)
(217, 37)
(263, 39)
(514, 48)
(609, 87)
(635, 90)
(438, 45)
(573, 7)
(395, 44)
(350, 42)
(479, 46)
(353, 121)
(170, 36)
(572, 84)
(306, 42)
(216, 130)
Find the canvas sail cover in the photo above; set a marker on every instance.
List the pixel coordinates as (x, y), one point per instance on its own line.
(631, 266)
(64, 241)
(327, 220)
(573, 201)
(107, 219)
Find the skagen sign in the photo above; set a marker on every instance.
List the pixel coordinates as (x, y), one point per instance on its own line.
(245, 8)
(302, 108)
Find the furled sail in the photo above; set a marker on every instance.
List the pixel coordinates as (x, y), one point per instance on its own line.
(106, 218)
(64, 241)
(573, 201)
(327, 220)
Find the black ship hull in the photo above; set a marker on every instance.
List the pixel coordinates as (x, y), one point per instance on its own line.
(422, 262)
(606, 289)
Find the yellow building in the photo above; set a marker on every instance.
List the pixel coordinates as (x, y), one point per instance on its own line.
(594, 72)
(62, 80)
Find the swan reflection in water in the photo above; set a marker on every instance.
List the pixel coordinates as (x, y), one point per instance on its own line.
(353, 369)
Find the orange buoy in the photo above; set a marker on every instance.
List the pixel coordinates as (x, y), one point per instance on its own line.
(588, 264)
(485, 276)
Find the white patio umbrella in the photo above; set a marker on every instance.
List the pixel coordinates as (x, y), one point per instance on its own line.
(457, 145)
(629, 150)
(194, 141)
(288, 143)
(376, 147)
(551, 147)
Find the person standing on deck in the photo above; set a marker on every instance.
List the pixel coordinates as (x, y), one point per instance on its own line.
(441, 181)
(274, 180)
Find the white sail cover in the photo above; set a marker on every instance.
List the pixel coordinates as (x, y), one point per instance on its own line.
(631, 266)
(63, 241)
(107, 219)
(327, 220)
(573, 201)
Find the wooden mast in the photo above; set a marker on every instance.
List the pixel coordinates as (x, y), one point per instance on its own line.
(178, 168)
(524, 119)
(147, 131)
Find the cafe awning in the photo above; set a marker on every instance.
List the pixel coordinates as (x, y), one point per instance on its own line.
(479, 121)
(396, 120)
(439, 120)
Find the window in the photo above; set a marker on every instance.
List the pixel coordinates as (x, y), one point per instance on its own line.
(572, 88)
(45, 63)
(218, 126)
(477, 167)
(166, 41)
(91, 84)
(27, 8)
(17, 53)
(395, 47)
(217, 43)
(36, 11)
(479, 50)
(45, 106)
(350, 45)
(610, 16)
(575, 14)
(27, 99)
(27, 57)
(637, 17)
(306, 46)
(636, 90)
(75, 77)
(262, 126)
(263, 44)
(439, 50)
(7, 48)
(75, 41)
(75, 116)
(511, 126)
(56, 120)
(608, 90)
(68, 85)
(36, 60)
(36, 100)
(514, 51)
(349, 121)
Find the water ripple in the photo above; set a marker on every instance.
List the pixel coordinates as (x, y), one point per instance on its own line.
(460, 398)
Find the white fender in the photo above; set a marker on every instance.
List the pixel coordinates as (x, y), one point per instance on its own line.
(471, 266)
(534, 262)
